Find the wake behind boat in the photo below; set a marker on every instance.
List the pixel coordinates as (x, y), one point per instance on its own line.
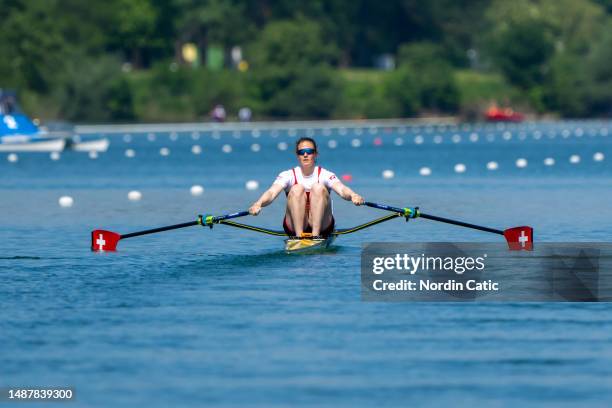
(518, 238)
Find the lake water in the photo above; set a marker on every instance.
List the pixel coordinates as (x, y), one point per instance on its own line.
(222, 317)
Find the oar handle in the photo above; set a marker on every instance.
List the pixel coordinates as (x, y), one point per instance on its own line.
(410, 212)
(209, 220)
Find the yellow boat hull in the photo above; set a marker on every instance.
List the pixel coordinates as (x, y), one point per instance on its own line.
(300, 245)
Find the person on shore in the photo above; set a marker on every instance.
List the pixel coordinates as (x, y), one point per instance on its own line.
(309, 207)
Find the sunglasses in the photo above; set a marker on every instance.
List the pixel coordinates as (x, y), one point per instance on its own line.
(308, 150)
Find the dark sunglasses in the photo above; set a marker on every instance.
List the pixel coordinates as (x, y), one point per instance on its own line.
(308, 150)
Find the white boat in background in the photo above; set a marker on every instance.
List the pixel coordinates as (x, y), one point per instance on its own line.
(97, 145)
(32, 144)
(18, 133)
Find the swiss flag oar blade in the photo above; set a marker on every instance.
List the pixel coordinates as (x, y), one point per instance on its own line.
(519, 238)
(102, 240)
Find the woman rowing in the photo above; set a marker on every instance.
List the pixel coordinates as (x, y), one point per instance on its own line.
(307, 188)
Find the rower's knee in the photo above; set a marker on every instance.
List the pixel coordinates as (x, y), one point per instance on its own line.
(319, 189)
(296, 191)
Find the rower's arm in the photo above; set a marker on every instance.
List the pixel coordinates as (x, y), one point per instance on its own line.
(346, 193)
(266, 198)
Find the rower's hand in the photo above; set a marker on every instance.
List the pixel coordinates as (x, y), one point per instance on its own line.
(357, 199)
(255, 209)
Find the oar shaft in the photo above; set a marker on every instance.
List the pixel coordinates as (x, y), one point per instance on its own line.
(461, 223)
(186, 224)
(435, 218)
(160, 229)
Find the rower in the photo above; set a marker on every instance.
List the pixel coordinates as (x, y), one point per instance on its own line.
(307, 186)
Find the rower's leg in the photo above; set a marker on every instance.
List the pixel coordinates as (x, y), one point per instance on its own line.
(320, 208)
(296, 204)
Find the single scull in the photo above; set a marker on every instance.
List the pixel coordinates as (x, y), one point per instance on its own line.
(518, 238)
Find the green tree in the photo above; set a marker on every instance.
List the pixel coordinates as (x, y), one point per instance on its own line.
(424, 68)
(291, 67)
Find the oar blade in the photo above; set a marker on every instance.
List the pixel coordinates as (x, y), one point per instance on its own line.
(104, 241)
(519, 238)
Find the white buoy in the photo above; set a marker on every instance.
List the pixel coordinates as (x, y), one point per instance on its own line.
(292, 132)
(425, 171)
(252, 185)
(603, 132)
(164, 151)
(599, 156)
(358, 131)
(196, 149)
(460, 168)
(226, 148)
(127, 138)
(456, 138)
(332, 144)
(521, 163)
(507, 135)
(282, 146)
(437, 139)
(173, 136)
(129, 153)
(93, 154)
(373, 130)
(12, 158)
(195, 136)
(356, 142)
(398, 141)
(196, 190)
(236, 134)
(54, 156)
(574, 159)
(418, 139)
(151, 137)
(134, 195)
(537, 135)
(65, 201)
(549, 161)
(473, 137)
(579, 132)
(492, 165)
(215, 135)
(255, 133)
(388, 174)
(255, 147)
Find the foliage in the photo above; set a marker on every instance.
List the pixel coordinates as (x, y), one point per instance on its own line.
(94, 89)
(72, 58)
(291, 70)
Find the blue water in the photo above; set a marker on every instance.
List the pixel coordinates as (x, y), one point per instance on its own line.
(222, 317)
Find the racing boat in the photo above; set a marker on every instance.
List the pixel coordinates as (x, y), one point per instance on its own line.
(518, 238)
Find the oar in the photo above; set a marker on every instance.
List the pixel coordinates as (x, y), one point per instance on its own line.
(517, 237)
(102, 240)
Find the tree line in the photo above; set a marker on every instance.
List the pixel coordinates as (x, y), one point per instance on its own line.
(124, 60)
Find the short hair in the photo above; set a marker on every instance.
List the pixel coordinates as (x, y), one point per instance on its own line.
(305, 139)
